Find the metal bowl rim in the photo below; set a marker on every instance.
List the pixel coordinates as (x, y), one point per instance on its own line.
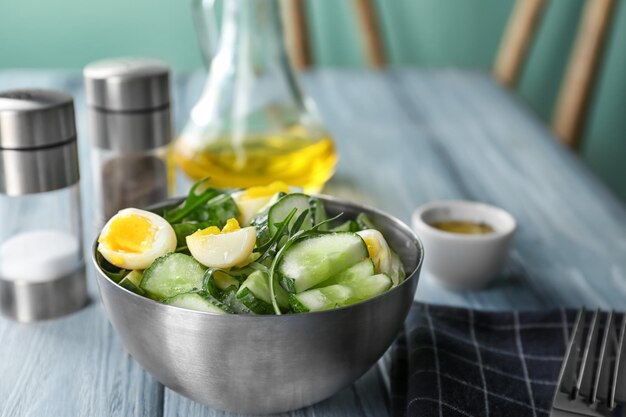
(397, 223)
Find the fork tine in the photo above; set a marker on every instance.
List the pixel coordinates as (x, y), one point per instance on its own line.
(587, 372)
(567, 377)
(601, 383)
(618, 386)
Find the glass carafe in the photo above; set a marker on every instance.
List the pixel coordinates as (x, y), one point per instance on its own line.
(253, 124)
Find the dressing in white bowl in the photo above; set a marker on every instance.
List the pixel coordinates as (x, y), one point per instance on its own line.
(463, 261)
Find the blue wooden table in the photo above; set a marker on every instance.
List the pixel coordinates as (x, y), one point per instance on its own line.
(404, 138)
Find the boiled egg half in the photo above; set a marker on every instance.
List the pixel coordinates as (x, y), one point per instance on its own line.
(253, 200)
(378, 250)
(224, 248)
(134, 238)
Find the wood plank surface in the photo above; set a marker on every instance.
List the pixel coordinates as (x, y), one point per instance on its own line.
(404, 138)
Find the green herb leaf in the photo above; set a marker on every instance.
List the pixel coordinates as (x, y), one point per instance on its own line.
(298, 223)
(183, 230)
(319, 212)
(280, 232)
(216, 211)
(114, 273)
(192, 202)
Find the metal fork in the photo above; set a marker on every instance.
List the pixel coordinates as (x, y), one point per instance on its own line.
(592, 381)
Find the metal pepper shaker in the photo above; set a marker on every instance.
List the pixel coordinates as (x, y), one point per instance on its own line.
(42, 273)
(131, 132)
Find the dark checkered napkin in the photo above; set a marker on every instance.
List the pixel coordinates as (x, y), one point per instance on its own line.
(452, 362)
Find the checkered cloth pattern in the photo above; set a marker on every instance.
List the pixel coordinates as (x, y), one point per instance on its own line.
(452, 362)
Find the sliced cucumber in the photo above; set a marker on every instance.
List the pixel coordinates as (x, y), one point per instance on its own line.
(223, 281)
(233, 303)
(347, 226)
(397, 273)
(320, 299)
(195, 301)
(319, 213)
(313, 260)
(366, 288)
(279, 211)
(172, 274)
(363, 269)
(255, 304)
(257, 284)
(131, 282)
(340, 295)
(261, 221)
(364, 222)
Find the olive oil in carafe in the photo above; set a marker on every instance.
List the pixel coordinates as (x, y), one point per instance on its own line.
(259, 160)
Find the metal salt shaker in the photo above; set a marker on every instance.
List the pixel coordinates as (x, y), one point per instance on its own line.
(42, 272)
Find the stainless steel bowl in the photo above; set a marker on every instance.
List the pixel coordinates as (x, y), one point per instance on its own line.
(265, 364)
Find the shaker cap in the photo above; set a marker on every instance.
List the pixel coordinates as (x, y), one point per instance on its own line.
(127, 84)
(32, 119)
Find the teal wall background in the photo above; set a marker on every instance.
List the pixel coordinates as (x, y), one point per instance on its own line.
(461, 33)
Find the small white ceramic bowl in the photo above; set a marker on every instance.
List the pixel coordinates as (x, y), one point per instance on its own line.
(463, 261)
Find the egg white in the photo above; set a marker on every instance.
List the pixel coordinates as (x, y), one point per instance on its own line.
(250, 207)
(164, 242)
(223, 250)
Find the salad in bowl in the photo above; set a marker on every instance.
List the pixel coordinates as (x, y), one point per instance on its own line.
(263, 250)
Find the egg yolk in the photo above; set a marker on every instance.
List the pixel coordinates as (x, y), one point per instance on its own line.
(265, 191)
(231, 225)
(131, 234)
(373, 246)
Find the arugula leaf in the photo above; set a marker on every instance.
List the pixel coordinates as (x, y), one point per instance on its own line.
(114, 273)
(261, 223)
(183, 230)
(298, 223)
(210, 207)
(280, 231)
(192, 202)
(216, 211)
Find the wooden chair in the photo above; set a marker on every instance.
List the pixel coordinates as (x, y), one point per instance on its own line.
(297, 33)
(578, 82)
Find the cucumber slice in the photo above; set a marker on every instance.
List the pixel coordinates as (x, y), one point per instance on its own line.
(313, 260)
(362, 269)
(234, 304)
(132, 281)
(347, 226)
(320, 299)
(256, 305)
(364, 222)
(194, 301)
(172, 274)
(261, 220)
(223, 281)
(340, 295)
(397, 273)
(319, 213)
(279, 211)
(368, 287)
(257, 284)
